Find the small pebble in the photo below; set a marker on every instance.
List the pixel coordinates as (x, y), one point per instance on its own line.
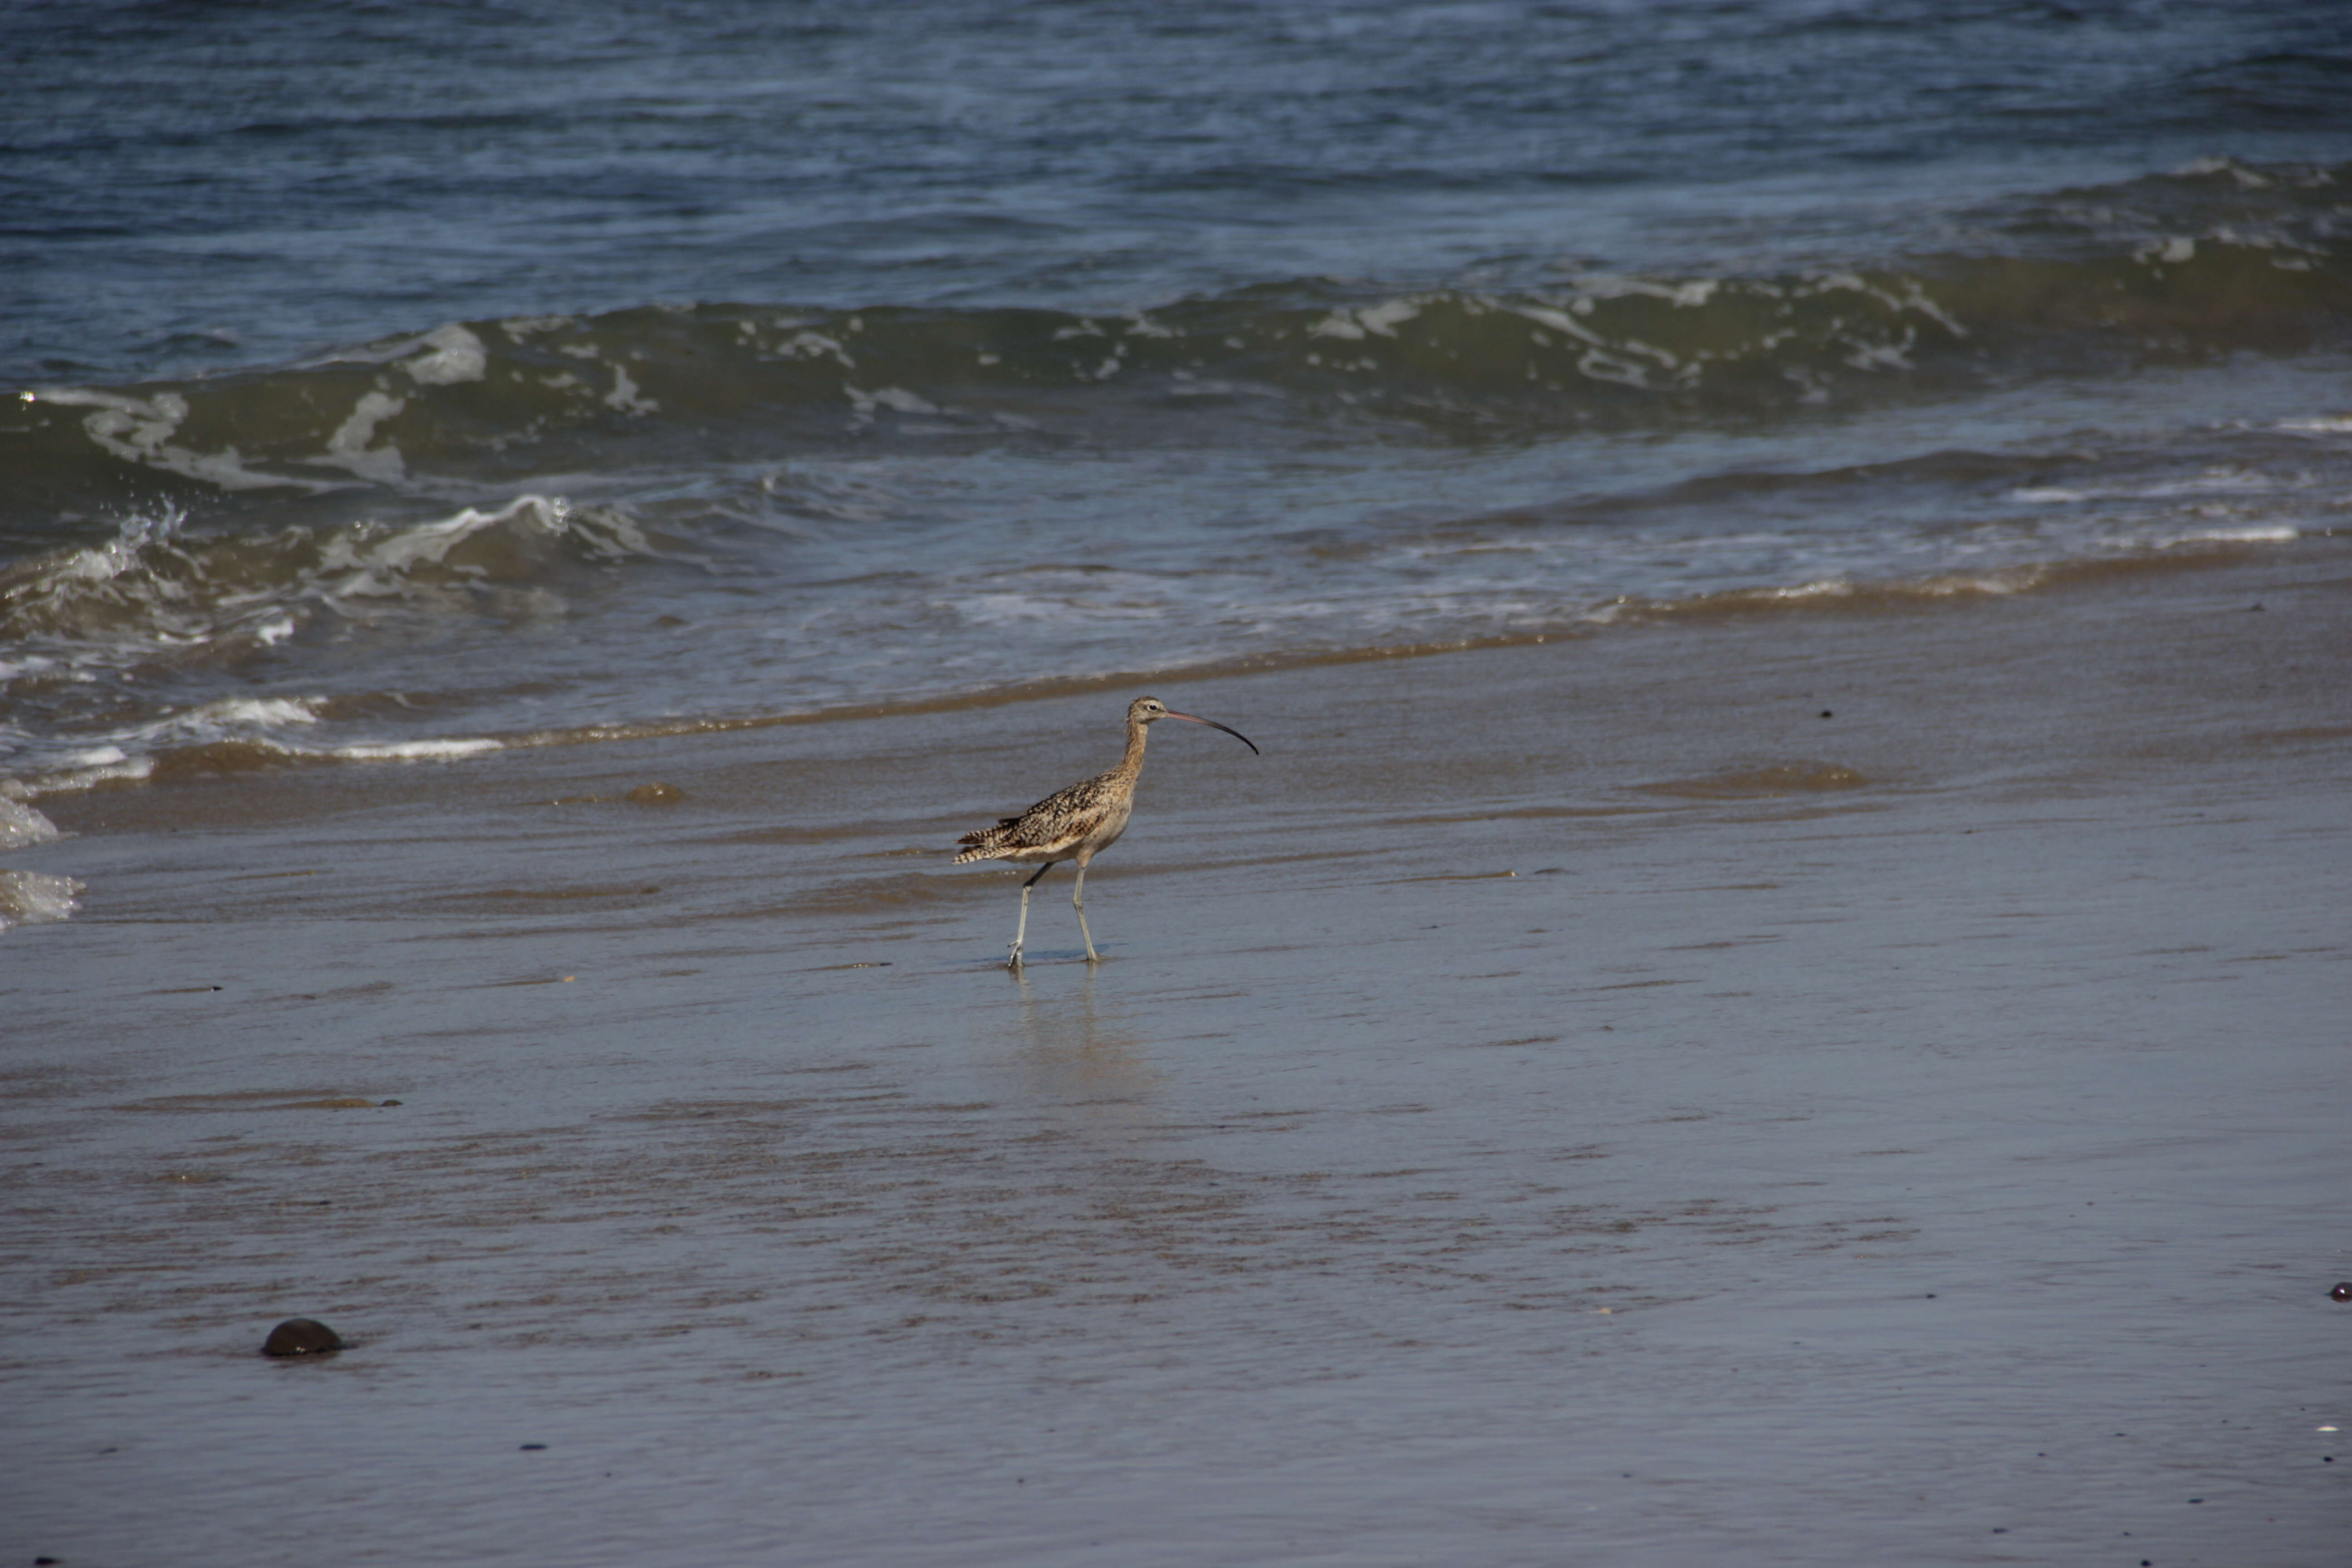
(301, 1336)
(2343, 1291)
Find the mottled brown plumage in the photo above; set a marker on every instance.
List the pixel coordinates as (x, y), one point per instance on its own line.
(1078, 823)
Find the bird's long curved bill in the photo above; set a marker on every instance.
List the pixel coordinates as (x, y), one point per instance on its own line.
(1213, 724)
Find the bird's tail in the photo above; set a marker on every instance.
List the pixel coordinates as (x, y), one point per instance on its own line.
(984, 845)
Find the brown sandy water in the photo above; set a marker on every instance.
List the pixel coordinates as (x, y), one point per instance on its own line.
(1563, 1104)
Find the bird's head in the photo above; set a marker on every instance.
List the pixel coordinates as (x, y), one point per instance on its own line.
(1150, 710)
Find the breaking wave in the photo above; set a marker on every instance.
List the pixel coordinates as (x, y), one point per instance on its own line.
(2216, 259)
(562, 529)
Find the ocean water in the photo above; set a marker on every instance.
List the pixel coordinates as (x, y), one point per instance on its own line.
(405, 382)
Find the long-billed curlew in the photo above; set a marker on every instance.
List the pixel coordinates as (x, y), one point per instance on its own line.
(1078, 823)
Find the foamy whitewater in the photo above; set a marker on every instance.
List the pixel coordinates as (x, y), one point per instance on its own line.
(1115, 378)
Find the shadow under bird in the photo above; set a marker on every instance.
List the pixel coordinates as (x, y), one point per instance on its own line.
(1078, 823)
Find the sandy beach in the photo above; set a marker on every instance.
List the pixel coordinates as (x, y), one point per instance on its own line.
(1777, 994)
(1779, 1087)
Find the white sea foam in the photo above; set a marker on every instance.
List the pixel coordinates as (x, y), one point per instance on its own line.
(895, 399)
(1883, 356)
(1035, 609)
(626, 397)
(2174, 250)
(122, 769)
(2214, 483)
(104, 563)
(153, 599)
(20, 825)
(348, 446)
(139, 430)
(2218, 483)
(36, 898)
(816, 345)
(454, 354)
(231, 715)
(1820, 589)
(2246, 179)
(2010, 580)
(1375, 321)
(857, 593)
(377, 568)
(1599, 365)
(2254, 534)
(1560, 321)
(1611, 285)
(411, 750)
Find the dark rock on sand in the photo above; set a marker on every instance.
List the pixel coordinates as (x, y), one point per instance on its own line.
(301, 1336)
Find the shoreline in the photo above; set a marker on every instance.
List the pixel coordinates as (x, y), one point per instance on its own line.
(1564, 1088)
(1832, 597)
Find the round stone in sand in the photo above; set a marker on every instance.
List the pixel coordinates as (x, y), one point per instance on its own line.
(301, 1336)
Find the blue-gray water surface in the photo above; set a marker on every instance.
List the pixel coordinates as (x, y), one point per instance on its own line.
(398, 381)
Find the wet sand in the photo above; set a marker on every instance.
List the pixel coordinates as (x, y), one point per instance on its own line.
(1813, 1090)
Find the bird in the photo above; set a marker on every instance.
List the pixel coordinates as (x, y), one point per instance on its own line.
(1078, 823)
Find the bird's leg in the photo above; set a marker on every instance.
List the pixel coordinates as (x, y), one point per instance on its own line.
(1078, 902)
(1022, 930)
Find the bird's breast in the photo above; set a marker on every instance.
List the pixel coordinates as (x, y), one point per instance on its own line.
(1106, 832)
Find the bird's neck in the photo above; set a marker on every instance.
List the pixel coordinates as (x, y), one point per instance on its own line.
(1136, 733)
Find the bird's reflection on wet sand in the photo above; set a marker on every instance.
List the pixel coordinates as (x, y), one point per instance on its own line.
(1080, 1058)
